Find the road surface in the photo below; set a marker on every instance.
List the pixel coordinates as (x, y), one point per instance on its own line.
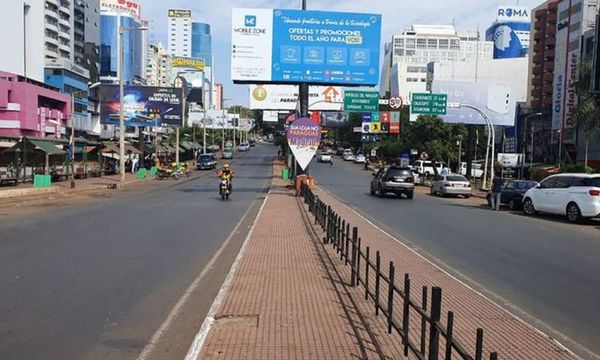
(544, 269)
(96, 279)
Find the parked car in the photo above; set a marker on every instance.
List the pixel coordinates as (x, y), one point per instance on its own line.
(227, 154)
(512, 193)
(360, 159)
(425, 167)
(347, 152)
(349, 157)
(206, 161)
(252, 142)
(451, 184)
(393, 179)
(244, 147)
(476, 170)
(323, 157)
(339, 151)
(575, 195)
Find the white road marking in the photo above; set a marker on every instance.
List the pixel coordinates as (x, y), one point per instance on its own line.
(149, 348)
(198, 342)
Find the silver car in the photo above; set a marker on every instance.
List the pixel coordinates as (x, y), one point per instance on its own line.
(451, 184)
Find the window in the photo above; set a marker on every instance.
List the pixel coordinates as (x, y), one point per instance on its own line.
(432, 43)
(564, 182)
(549, 183)
(456, 178)
(595, 182)
(421, 43)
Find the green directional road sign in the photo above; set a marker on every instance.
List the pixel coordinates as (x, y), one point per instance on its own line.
(357, 100)
(428, 104)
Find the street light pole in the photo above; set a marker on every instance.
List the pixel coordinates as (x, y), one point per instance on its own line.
(491, 141)
(121, 108)
(523, 145)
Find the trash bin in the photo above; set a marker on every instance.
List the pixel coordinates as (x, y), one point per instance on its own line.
(42, 181)
(141, 174)
(153, 171)
(285, 173)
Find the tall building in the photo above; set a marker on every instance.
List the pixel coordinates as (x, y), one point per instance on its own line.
(510, 32)
(407, 56)
(202, 42)
(180, 33)
(218, 100)
(113, 14)
(158, 66)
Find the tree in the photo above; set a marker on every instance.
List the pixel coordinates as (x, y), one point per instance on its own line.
(587, 110)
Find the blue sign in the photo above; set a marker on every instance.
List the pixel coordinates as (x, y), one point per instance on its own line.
(326, 47)
(511, 39)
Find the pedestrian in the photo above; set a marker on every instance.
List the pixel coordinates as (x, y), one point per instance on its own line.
(278, 154)
(134, 164)
(496, 191)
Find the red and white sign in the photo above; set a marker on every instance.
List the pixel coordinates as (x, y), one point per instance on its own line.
(123, 6)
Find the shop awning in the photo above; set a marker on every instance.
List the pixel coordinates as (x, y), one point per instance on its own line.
(110, 147)
(48, 147)
(131, 149)
(186, 145)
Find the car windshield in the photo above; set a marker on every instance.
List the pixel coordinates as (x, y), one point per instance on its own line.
(456, 178)
(399, 172)
(524, 185)
(205, 157)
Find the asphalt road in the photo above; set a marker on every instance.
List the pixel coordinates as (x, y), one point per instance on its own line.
(545, 270)
(96, 279)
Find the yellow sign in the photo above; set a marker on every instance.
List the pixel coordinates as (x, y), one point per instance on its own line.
(177, 13)
(375, 127)
(260, 94)
(188, 63)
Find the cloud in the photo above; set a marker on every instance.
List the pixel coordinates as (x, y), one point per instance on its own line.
(398, 15)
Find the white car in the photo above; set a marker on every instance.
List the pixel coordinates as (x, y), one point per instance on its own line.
(349, 157)
(476, 170)
(451, 184)
(360, 159)
(425, 167)
(575, 195)
(323, 157)
(244, 147)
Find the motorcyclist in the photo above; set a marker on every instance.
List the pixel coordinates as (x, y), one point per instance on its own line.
(226, 173)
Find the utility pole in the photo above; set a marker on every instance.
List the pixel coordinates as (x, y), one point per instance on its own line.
(303, 97)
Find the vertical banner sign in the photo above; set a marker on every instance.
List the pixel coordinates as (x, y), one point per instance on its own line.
(303, 137)
(568, 49)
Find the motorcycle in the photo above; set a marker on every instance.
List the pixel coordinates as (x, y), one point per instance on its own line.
(224, 188)
(167, 173)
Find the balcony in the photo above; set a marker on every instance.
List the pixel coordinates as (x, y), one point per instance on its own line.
(540, 13)
(553, 6)
(536, 103)
(549, 54)
(52, 26)
(538, 58)
(550, 41)
(549, 77)
(551, 19)
(548, 89)
(538, 48)
(538, 70)
(538, 25)
(549, 65)
(52, 52)
(65, 47)
(51, 40)
(547, 101)
(536, 93)
(537, 81)
(550, 30)
(65, 22)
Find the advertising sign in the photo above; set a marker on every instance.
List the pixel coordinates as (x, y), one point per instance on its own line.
(358, 100)
(285, 97)
(334, 119)
(497, 101)
(509, 160)
(189, 63)
(144, 106)
(270, 116)
(511, 39)
(568, 48)
(121, 6)
(304, 137)
(509, 13)
(294, 46)
(180, 13)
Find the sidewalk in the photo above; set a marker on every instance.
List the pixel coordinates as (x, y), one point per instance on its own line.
(286, 300)
(289, 297)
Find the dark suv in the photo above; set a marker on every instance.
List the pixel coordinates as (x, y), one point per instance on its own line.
(393, 179)
(206, 161)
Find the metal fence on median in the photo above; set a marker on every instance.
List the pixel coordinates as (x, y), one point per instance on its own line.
(431, 339)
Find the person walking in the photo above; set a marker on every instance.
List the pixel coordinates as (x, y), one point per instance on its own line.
(496, 191)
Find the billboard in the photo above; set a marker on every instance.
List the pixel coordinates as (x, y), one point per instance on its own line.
(511, 39)
(497, 101)
(568, 50)
(144, 105)
(510, 13)
(121, 6)
(180, 13)
(285, 97)
(304, 137)
(334, 119)
(294, 46)
(270, 116)
(188, 63)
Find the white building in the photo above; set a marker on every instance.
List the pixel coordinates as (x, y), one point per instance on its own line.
(158, 66)
(407, 56)
(180, 33)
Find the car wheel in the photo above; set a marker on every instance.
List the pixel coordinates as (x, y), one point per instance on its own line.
(380, 192)
(489, 199)
(431, 191)
(410, 194)
(371, 191)
(512, 205)
(573, 213)
(528, 207)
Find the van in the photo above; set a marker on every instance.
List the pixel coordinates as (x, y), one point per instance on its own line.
(476, 170)
(425, 167)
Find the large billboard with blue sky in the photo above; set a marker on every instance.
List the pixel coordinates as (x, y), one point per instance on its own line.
(316, 47)
(510, 32)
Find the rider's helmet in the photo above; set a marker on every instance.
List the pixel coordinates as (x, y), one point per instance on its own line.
(226, 166)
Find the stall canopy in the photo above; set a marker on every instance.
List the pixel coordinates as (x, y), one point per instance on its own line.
(45, 146)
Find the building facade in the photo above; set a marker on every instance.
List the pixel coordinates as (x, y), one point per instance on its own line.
(158, 66)
(409, 53)
(180, 32)
(111, 18)
(32, 108)
(202, 42)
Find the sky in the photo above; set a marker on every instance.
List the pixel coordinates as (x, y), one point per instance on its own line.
(397, 15)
